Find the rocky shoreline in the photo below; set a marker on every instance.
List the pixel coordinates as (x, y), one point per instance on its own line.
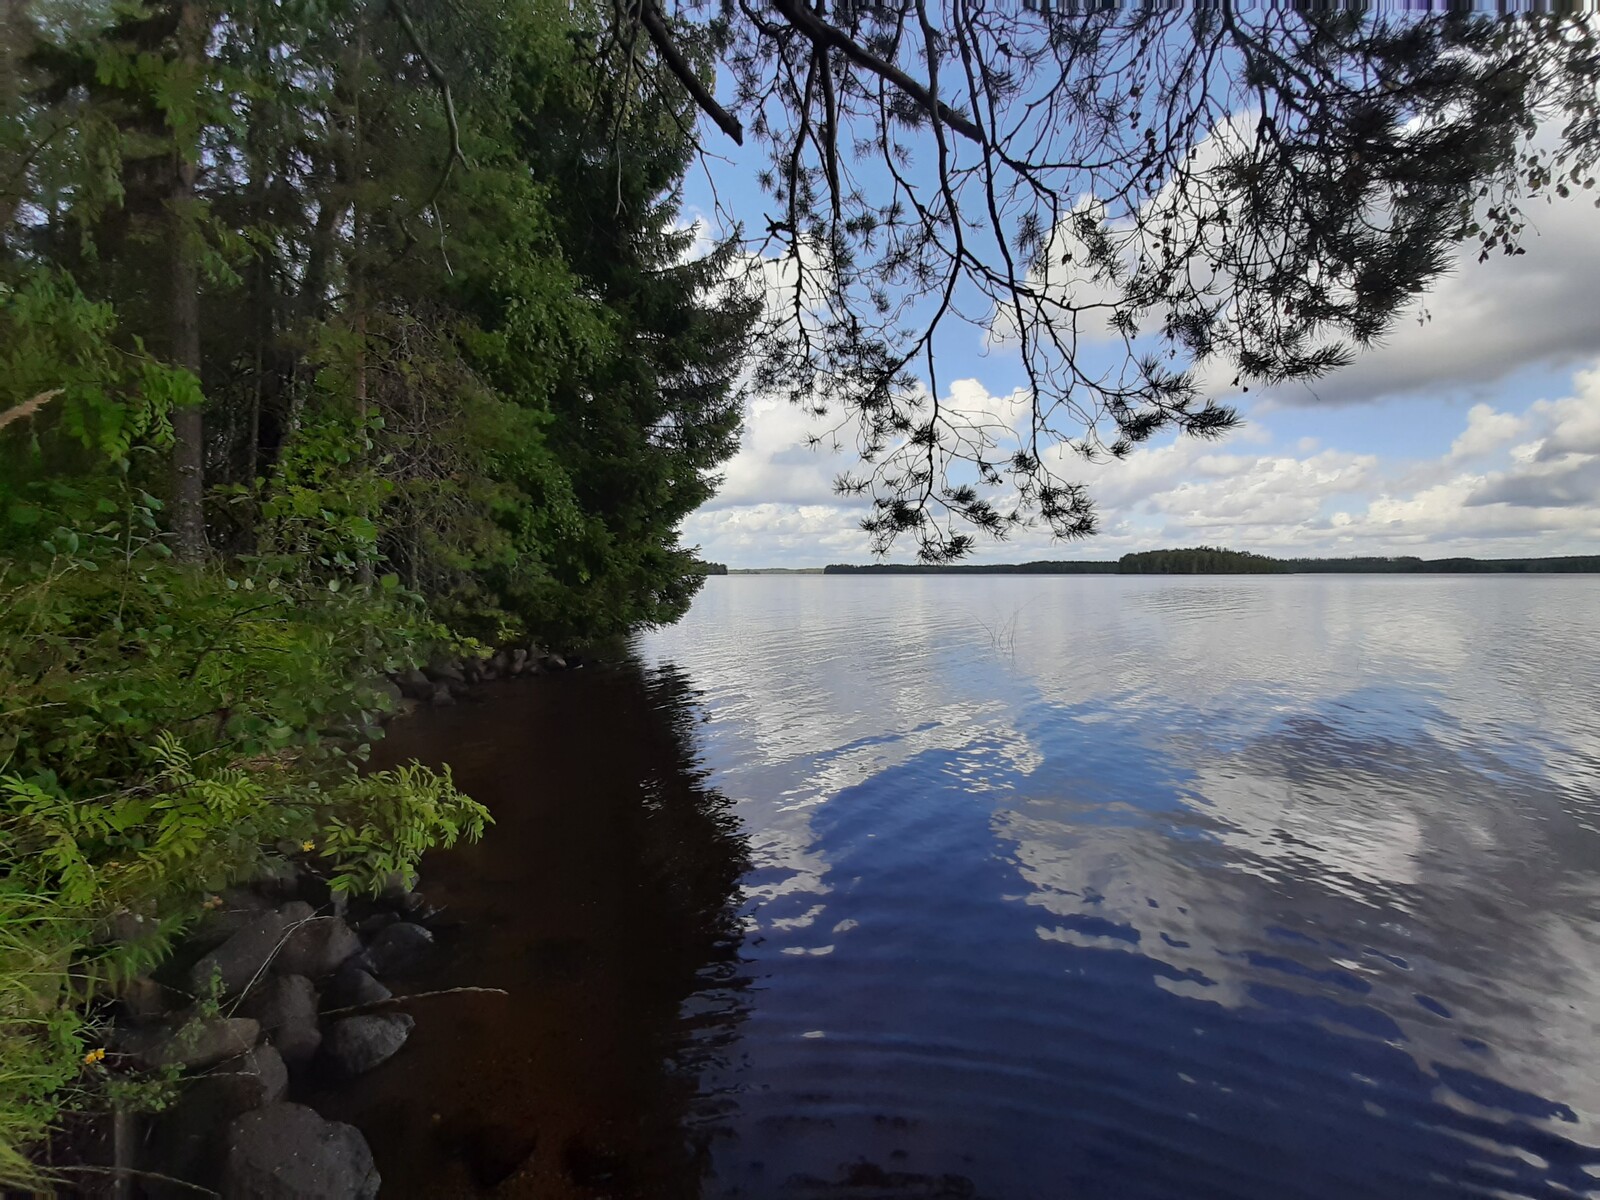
(444, 681)
(279, 992)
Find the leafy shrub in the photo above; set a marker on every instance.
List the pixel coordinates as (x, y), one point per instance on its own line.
(163, 730)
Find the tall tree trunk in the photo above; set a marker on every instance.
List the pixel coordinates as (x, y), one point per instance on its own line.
(358, 294)
(16, 42)
(262, 299)
(188, 423)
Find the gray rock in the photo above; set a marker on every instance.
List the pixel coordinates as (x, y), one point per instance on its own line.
(352, 987)
(191, 1044)
(142, 998)
(127, 927)
(446, 670)
(315, 891)
(317, 948)
(369, 927)
(237, 908)
(288, 1152)
(286, 1007)
(414, 685)
(389, 693)
(442, 696)
(354, 1045)
(555, 662)
(248, 952)
(399, 947)
(252, 1080)
(188, 1136)
(500, 665)
(519, 661)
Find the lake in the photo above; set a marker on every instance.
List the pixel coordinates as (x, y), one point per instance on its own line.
(1018, 887)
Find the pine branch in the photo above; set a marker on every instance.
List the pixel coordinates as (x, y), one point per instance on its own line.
(661, 38)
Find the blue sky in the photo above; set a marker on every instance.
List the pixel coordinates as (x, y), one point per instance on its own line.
(1474, 428)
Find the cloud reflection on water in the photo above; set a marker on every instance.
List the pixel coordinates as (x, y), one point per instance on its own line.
(1220, 873)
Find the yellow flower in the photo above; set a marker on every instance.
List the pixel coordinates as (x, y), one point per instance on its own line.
(94, 1056)
(308, 846)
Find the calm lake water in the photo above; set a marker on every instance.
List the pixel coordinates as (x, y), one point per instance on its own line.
(1256, 887)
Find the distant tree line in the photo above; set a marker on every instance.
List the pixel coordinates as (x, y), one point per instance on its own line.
(1204, 560)
(1029, 568)
(1441, 566)
(1212, 560)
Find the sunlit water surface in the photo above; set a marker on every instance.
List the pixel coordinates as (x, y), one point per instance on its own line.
(1152, 887)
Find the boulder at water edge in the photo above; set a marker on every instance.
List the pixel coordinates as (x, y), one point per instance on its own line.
(317, 948)
(352, 987)
(286, 1006)
(188, 1141)
(354, 1045)
(248, 952)
(399, 947)
(191, 1044)
(288, 1152)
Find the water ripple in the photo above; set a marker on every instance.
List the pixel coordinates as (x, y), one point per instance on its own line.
(1157, 888)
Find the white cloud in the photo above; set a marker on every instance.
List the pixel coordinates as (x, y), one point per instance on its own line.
(1482, 322)
(1486, 432)
(1479, 324)
(1511, 484)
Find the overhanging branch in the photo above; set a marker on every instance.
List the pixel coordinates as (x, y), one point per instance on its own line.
(661, 38)
(824, 35)
(442, 82)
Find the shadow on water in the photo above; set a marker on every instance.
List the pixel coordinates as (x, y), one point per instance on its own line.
(604, 902)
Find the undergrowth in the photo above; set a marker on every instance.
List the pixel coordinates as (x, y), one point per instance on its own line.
(164, 732)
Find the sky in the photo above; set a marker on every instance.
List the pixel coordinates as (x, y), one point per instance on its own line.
(1472, 429)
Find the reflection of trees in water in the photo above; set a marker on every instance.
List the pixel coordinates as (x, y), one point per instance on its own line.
(694, 855)
(605, 903)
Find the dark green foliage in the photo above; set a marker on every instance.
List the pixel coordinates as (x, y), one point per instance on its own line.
(1203, 560)
(1212, 561)
(1567, 564)
(1027, 568)
(410, 291)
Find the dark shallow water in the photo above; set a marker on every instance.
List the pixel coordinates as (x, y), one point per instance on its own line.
(1259, 887)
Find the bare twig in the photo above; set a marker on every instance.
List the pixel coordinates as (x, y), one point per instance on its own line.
(442, 82)
(155, 1176)
(397, 1000)
(825, 35)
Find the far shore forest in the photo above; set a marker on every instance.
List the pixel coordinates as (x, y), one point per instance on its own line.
(1206, 560)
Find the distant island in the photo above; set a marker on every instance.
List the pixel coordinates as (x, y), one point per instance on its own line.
(1212, 560)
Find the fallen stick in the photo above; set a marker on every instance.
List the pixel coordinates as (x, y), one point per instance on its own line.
(395, 1001)
(153, 1175)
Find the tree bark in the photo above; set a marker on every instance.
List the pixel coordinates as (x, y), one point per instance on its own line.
(188, 421)
(358, 293)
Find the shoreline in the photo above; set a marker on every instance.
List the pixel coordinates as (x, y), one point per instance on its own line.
(278, 995)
